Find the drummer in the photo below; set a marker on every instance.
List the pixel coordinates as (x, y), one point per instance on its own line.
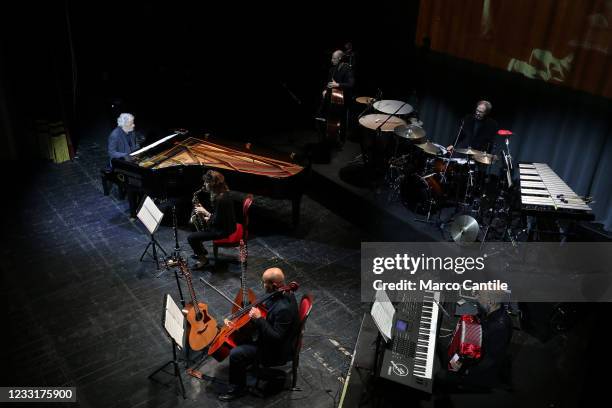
(479, 130)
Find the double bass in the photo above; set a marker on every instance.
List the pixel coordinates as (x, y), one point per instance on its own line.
(202, 326)
(334, 98)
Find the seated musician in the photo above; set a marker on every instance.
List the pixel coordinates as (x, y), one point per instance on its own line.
(273, 339)
(221, 222)
(122, 140)
(496, 335)
(479, 130)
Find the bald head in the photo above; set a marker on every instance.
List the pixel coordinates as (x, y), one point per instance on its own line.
(336, 57)
(273, 278)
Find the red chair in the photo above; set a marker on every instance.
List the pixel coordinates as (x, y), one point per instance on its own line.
(242, 230)
(304, 310)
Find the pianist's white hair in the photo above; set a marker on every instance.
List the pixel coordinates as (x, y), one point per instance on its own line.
(124, 118)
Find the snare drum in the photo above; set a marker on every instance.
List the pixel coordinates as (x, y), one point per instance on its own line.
(456, 166)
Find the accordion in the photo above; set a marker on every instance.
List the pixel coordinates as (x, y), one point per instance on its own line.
(467, 340)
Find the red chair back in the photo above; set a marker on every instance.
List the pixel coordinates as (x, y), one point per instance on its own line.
(305, 308)
(241, 232)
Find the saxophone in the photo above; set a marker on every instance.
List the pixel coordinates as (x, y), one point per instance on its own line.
(197, 219)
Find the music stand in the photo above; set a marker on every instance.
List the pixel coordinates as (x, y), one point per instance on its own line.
(151, 218)
(173, 322)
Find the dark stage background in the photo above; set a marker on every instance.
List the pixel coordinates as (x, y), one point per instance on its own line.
(244, 71)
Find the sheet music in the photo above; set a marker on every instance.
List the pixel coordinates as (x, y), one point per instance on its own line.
(150, 215)
(174, 321)
(383, 312)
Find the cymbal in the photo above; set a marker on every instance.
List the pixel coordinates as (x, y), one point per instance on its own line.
(464, 229)
(504, 132)
(374, 120)
(366, 100)
(391, 107)
(411, 132)
(469, 150)
(432, 148)
(484, 158)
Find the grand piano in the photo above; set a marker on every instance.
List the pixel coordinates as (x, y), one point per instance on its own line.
(173, 167)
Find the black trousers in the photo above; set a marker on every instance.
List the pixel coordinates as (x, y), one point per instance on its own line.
(196, 239)
(240, 358)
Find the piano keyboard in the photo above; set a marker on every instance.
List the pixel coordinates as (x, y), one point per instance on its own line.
(542, 190)
(424, 354)
(410, 360)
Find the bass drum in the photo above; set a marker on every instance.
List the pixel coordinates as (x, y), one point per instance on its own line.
(419, 192)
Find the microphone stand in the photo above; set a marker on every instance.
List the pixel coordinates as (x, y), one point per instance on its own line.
(453, 151)
(368, 107)
(378, 129)
(378, 97)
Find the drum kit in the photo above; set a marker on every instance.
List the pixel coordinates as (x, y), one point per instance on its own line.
(424, 175)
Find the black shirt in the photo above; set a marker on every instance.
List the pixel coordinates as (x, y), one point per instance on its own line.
(496, 335)
(223, 218)
(276, 333)
(343, 75)
(478, 134)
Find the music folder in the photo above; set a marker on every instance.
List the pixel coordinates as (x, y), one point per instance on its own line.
(383, 312)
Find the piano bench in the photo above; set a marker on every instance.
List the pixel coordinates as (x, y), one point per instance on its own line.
(109, 177)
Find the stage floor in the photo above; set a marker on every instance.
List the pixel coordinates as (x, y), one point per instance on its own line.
(81, 310)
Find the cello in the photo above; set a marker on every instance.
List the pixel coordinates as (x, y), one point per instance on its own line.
(202, 326)
(230, 335)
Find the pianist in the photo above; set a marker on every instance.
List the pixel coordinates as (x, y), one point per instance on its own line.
(122, 140)
(221, 221)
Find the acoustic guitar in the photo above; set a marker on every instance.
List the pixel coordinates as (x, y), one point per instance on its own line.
(202, 326)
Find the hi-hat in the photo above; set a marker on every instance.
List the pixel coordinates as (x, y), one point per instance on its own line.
(469, 150)
(464, 229)
(504, 132)
(432, 148)
(411, 132)
(392, 107)
(366, 100)
(484, 158)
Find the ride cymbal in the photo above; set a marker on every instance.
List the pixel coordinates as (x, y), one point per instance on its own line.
(432, 148)
(469, 150)
(485, 158)
(393, 107)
